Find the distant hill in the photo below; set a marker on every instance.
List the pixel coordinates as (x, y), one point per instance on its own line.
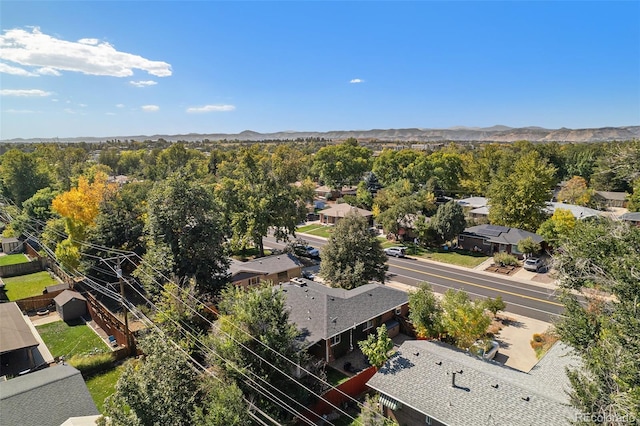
(497, 133)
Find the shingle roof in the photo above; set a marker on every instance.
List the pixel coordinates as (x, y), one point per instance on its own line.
(578, 212)
(502, 234)
(15, 333)
(45, 397)
(322, 312)
(631, 216)
(419, 376)
(265, 265)
(341, 210)
(610, 195)
(66, 296)
(475, 202)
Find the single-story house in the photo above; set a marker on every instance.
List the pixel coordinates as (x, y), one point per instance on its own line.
(579, 212)
(479, 213)
(490, 239)
(432, 383)
(611, 199)
(327, 193)
(333, 320)
(331, 215)
(17, 340)
(70, 305)
(276, 268)
(473, 202)
(46, 397)
(632, 217)
(11, 244)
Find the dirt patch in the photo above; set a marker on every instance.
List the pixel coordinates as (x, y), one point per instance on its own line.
(505, 270)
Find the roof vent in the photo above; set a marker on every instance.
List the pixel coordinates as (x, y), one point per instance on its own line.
(439, 363)
(526, 399)
(495, 386)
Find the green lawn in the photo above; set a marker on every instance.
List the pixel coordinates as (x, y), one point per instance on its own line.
(453, 257)
(335, 377)
(103, 385)
(27, 285)
(67, 340)
(13, 259)
(317, 230)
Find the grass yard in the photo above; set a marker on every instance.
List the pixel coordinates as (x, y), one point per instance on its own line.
(335, 377)
(103, 385)
(67, 340)
(453, 257)
(27, 285)
(316, 229)
(13, 259)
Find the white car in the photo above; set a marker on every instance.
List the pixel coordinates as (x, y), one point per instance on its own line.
(396, 251)
(533, 264)
(486, 349)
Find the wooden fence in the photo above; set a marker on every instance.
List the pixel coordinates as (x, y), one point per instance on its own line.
(36, 265)
(36, 303)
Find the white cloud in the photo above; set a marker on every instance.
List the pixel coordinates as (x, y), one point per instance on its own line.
(8, 69)
(357, 80)
(54, 100)
(150, 108)
(143, 83)
(88, 56)
(25, 92)
(83, 105)
(110, 113)
(48, 71)
(21, 111)
(69, 111)
(119, 105)
(211, 108)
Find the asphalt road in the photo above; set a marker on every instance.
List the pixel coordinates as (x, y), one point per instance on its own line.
(521, 298)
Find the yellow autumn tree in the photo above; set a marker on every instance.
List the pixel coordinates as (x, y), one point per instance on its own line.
(79, 208)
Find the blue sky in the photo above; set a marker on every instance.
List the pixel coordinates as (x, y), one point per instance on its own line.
(76, 68)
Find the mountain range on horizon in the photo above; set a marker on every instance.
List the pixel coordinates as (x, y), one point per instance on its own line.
(497, 133)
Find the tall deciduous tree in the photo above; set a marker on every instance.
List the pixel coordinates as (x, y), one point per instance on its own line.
(634, 197)
(606, 331)
(20, 175)
(449, 220)
(463, 320)
(517, 198)
(425, 312)
(184, 233)
(377, 346)
(344, 164)
(576, 191)
(352, 256)
(558, 226)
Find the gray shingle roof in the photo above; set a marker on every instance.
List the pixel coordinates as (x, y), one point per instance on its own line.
(579, 212)
(15, 333)
(265, 265)
(341, 210)
(419, 376)
(66, 296)
(473, 202)
(501, 234)
(631, 216)
(322, 312)
(45, 397)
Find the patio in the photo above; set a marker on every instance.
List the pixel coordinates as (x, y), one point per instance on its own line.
(356, 361)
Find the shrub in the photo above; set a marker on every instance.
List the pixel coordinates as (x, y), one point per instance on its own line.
(505, 259)
(92, 364)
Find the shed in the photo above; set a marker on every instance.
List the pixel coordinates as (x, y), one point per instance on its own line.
(70, 305)
(11, 244)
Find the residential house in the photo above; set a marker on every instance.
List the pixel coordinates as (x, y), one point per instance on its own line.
(331, 215)
(579, 212)
(432, 383)
(490, 239)
(47, 397)
(276, 268)
(333, 320)
(473, 202)
(18, 341)
(327, 193)
(631, 217)
(611, 199)
(70, 305)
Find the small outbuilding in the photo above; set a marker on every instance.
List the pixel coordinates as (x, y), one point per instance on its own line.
(11, 244)
(70, 305)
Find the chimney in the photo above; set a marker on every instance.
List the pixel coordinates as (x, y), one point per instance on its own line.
(453, 380)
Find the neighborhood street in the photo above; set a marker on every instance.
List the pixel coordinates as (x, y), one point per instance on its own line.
(522, 298)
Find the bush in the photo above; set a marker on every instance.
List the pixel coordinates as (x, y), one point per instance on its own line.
(503, 259)
(91, 364)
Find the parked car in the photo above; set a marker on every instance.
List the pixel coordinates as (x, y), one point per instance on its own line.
(485, 349)
(396, 251)
(308, 275)
(534, 264)
(306, 251)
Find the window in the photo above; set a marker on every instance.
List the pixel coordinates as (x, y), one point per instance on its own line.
(460, 238)
(335, 340)
(368, 325)
(254, 281)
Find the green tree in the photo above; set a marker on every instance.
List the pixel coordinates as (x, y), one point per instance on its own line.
(36, 211)
(604, 332)
(352, 256)
(223, 405)
(344, 164)
(371, 413)
(617, 167)
(20, 176)
(425, 312)
(528, 246)
(518, 198)
(463, 320)
(634, 197)
(377, 347)
(254, 336)
(393, 217)
(449, 220)
(184, 234)
(494, 305)
(576, 192)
